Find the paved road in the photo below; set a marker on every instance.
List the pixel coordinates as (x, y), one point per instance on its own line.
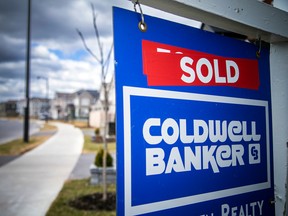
(82, 167)
(13, 129)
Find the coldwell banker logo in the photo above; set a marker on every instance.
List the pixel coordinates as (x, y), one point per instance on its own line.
(254, 153)
(213, 132)
(176, 139)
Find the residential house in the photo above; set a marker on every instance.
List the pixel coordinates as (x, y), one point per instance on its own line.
(97, 114)
(83, 100)
(73, 105)
(8, 109)
(62, 106)
(37, 106)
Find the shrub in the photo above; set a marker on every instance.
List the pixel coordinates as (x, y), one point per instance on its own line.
(99, 159)
(97, 131)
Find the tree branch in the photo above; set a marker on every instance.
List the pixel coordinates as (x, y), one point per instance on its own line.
(97, 35)
(107, 61)
(86, 47)
(110, 84)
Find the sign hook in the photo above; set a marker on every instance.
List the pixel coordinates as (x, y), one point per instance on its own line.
(258, 53)
(141, 25)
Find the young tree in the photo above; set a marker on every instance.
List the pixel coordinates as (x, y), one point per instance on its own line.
(104, 63)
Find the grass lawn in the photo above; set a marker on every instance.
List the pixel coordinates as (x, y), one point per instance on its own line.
(92, 147)
(82, 124)
(70, 191)
(18, 147)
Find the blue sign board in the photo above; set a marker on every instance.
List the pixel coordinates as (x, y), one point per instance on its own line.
(193, 121)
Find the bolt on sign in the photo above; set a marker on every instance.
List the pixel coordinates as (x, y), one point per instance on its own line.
(193, 121)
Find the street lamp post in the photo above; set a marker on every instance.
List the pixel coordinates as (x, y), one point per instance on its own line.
(47, 96)
(27, 93)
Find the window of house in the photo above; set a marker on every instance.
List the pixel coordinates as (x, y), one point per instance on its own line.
(85, 102)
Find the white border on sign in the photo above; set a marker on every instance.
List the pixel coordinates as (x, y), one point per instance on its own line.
(173, 203)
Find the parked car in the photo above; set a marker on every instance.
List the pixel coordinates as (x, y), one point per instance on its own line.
(44, 116)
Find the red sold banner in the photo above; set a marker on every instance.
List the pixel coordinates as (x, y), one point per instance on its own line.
(166, 65)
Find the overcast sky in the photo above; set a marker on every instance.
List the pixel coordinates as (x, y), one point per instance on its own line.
(57, 52)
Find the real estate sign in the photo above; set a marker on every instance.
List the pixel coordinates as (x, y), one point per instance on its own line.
(193, 121)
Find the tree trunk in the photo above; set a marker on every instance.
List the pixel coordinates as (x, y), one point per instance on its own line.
(105, 141)
(104, 69)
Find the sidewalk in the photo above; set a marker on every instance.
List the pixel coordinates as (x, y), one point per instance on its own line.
(29, 184)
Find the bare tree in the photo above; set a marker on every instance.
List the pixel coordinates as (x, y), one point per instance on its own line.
(104, 63)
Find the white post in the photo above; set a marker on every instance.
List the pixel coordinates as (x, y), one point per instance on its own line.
(279, 93)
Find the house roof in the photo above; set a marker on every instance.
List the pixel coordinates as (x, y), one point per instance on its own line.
(93, 93)
(64, 95)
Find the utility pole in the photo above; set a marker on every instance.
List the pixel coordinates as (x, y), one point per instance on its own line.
(27, 92)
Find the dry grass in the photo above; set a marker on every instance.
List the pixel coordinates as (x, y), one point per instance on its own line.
(77, 123)
(80, 124)
(18, 146)
(48, 127)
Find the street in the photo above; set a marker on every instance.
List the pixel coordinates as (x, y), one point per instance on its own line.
(13, 129)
